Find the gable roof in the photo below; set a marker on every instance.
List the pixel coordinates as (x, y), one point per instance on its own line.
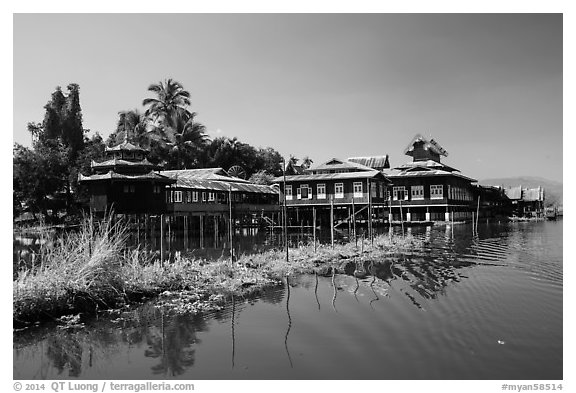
(125, 146)
(339, 164)
(203, 173)
(428, 145)
(428, 164)
(376, 162)
(371, 174)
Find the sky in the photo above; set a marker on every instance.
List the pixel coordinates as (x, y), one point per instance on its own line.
(487, 87)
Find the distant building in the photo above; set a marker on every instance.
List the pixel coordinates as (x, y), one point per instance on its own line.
(526, 202)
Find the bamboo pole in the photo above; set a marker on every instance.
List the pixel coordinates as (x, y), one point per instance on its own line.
(477, 213)
(161, 239)
(284, 211)
(314, 226)
(332, 221)
(401, 217)
(370, 228)
(231, 225)
(354, 222)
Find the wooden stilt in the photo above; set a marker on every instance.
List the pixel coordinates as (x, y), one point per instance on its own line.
(162, 239)
(314, 227)
(332, 221)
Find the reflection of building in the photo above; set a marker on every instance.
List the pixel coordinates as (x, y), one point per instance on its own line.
(126, 182)
(427, 190)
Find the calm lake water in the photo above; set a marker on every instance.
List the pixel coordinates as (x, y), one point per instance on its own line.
(485, 307)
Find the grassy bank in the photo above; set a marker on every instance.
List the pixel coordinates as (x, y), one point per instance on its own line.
(91, 269)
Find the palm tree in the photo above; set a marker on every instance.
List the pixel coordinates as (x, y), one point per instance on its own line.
(135, 124)
(185, 134)
(306, 162)
(171, 98)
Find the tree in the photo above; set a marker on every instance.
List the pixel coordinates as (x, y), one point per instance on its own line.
(39, 178)
(307, 162)
(133, 124)
(170, 99)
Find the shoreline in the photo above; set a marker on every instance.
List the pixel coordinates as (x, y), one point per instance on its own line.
(187, 285)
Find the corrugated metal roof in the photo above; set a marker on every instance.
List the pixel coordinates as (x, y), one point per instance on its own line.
(514, 192)
(376, 162)
(332, 176)
(110, 175)
(203, 173)
(436, 172)
(219, 185)
(425, 164)
(338, 164)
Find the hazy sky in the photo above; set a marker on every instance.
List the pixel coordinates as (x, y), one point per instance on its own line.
(487, 87)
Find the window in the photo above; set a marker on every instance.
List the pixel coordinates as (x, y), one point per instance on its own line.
(211, 197)
(358, 190)
(304, 192)
(157, 189)
(381, 188)
(339, 190)
(188, 197)
(204, 197)
(129, 188)
(436, 191)
(194, 196)
(178, 196)
(321, 191)
(399, 193)
(373, 190)
(417, 192)
(288, 193)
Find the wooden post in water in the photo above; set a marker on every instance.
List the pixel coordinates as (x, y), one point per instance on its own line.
(477, 213)
(314, 227)
(401, 217)
(285, 222)
(349, 225)
(161, 239)
(473, 220)
(370, 229)
(332, 221)
(216, 235)
(201, 231)
(354, 222)
(231, 225)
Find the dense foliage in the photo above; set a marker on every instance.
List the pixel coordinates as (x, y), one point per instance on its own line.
(45, 177)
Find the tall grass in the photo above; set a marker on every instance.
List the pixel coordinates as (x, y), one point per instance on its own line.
(83, 267)
(92, 268)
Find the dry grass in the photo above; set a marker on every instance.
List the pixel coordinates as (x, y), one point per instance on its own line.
(92, 268)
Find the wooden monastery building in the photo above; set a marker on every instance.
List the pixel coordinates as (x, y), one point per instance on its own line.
(344, 187)
(425, 189)
(126, 182)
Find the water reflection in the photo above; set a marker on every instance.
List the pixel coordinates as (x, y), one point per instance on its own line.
(172, 344)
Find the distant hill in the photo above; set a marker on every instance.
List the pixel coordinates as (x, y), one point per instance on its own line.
(552, 189)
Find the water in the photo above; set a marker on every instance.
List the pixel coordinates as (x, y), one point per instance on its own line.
(486, 307)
